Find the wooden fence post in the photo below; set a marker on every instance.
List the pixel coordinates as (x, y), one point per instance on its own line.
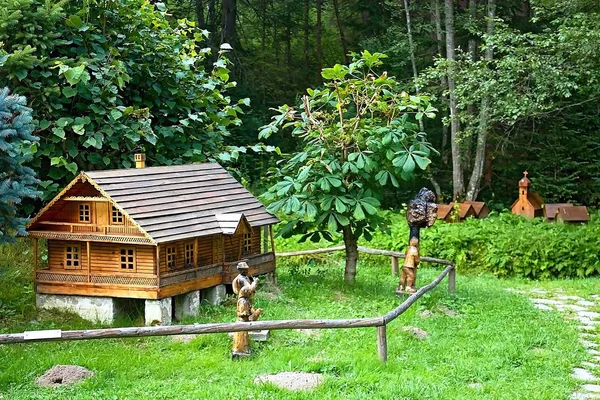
(452, 281)
(382, 343)
(394, 265)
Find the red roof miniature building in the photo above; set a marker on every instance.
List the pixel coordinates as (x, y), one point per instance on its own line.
(481, 209)
(551, 209)
(448, 214)
(573, 214)
(529, 204)
(151, 233)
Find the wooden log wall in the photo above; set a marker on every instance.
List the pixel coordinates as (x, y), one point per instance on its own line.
(204, 257)
(105, 257)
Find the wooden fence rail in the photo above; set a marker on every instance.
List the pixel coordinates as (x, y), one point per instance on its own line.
(378, 322)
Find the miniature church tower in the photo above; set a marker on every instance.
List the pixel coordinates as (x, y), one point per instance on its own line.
(529, 204)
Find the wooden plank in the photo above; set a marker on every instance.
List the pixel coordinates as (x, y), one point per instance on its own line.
(97, 290)
(89, 261)
(188, 286)
(155, 192)
(202, 199)
(35, 254)
(452, 281)
(165, 180)
(235, 205)
(107, 181)
(249, 210)
(157, 262)
(104, 174)
(382, 343)
(186, 198)
(85, 198)
(272, 238)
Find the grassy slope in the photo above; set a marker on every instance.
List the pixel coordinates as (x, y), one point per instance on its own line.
(500, 347)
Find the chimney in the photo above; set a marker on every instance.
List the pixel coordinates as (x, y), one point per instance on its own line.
(140, 160)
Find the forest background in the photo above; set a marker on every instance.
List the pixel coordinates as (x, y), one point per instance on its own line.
(516, 84)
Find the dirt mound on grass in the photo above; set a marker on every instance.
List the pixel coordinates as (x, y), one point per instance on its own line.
(292, 380)
(61, 375)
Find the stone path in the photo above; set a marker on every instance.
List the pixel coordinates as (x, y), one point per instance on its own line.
(581, 311)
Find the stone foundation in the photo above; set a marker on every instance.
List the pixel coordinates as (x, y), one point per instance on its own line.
(95, 309)
(159, 312)
(214, 295)
(187, 304)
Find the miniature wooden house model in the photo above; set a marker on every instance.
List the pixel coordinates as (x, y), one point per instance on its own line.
(447, 213)
(160, 234)
(529, 204)
(551, 209)
(480, 208)
(572, 215)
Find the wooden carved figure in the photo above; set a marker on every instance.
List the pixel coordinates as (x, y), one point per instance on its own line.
(408, 277)
(421, 213)
(245, 286)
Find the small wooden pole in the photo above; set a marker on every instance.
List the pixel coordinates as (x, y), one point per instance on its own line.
(394, 265)
(272, 238)
(265, 233)
(157, 266)
(196, 253)
(452, 281)
(35, 254)
(89, 261)
(382, 343)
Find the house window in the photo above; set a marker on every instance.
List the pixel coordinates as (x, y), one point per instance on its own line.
(117, 216)
(128, 259)
(189, 254)
(72, 257)
(247, 249)
(84, 213)
(171, 257)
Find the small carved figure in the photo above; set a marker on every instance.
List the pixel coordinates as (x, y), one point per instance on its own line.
(243, 279)
(421, 213)
(244, 287)
(409, 269)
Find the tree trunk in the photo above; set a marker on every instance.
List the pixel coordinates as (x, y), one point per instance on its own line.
(439, 35)
(263, 33)
(288, 40)
(458, 186)
(228, 31)
(306, 34)
(478, 166)
(200, 14)
(471, 109)
(413, 60)
(473, 21)
(212, 24)
(351, 254)
(318, 44)
(336, 8)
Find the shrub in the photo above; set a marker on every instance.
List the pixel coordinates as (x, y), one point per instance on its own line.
(506, 245)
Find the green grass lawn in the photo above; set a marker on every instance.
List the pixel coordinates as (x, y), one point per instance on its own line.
(500, 347)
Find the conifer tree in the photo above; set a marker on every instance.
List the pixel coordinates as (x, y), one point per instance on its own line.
(17, 181)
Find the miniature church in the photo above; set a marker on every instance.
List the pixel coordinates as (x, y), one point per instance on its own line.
(169, 237)
(529, 204)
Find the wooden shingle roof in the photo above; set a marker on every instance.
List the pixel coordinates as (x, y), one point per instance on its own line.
(181, 201)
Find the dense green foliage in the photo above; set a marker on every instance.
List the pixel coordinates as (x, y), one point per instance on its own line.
(17, 181)
(500, 347)
(108, 78)
(507, 245)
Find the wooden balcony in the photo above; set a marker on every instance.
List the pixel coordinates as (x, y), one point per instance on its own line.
(79, 227)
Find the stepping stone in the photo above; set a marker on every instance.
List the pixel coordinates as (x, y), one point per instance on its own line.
(546, 301)
(580, 310)
(596, 358)
(543, 307)
(565, 297)
(292, 380)
(593, 352)
(588, 364)
(589, 387)
(589, 314)
(586, 327)
(584, 396)
(583, 375)
(536, 290)
(588, 344)
(416, 332)
(586, 303)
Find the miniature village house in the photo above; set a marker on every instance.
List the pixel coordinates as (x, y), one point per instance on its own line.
(168, 235)
(447, 212)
